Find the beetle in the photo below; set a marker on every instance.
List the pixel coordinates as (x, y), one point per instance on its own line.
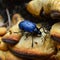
(30, 27)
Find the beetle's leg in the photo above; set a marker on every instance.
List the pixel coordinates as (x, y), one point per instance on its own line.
(27, 35)
(45, 31)
(32, 42)
(44, 28)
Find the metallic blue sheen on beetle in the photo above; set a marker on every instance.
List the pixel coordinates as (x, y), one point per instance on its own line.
(29, 26)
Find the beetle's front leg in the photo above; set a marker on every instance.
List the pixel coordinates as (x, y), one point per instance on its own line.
(32, 42)
(45, 31)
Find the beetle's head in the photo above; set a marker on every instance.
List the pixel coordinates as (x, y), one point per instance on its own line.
(39, 32)
(36, 30)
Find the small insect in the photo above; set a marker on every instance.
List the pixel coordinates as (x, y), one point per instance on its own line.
(30, 27)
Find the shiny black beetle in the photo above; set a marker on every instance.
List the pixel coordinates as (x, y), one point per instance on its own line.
(29, 27)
